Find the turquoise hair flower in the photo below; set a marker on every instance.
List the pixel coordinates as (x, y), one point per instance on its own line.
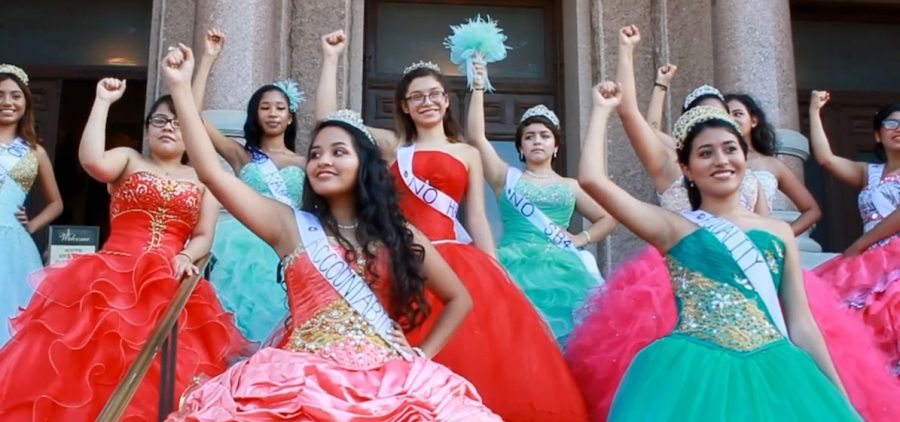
(293, 93)
(478, 36)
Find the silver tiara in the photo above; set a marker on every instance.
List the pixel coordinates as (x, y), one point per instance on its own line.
(351, 118)
(701, 91)
(542, 111)
(422, 64)
(15, 70)
(695, 116)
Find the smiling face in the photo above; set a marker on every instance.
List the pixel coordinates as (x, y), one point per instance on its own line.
(742, 116)
(164, 133)
(333, 163)
(13, 103)
(425, 102)
(273, 113)
(716, 163)
(537, 143)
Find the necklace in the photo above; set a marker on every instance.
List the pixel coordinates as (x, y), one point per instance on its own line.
(537, 175)
(348, 226)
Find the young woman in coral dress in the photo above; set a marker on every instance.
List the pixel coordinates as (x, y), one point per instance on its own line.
(89, 317)
(23, 162)
(867, 275)
(352, 266)
(503, 347)
(244, 273)
(536, 205)
(746, 343)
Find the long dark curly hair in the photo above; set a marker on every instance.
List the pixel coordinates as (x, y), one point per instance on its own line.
(404, 125)
(381, 224)
(762, 136)
(684, 154)
(253, 131)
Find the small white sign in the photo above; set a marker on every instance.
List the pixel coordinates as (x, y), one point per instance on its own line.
(68, 240)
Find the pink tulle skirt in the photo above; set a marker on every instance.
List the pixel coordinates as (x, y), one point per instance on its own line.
(637, 307)
(276, 384)
(870, 284)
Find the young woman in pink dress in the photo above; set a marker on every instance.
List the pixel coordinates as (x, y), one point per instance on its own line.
(352, 266)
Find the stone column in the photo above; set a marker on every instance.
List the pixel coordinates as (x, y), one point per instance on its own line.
(755, 55)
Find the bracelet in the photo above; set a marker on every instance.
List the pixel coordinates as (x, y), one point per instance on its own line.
(663, 86)
(587, 236)
(478, 89)
(185, 254)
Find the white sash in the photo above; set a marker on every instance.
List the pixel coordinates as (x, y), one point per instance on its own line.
(748, 258)
(343, 278)
(555, 233)
(882, 203)
(16, 150)
(272, 176)
(440, 201)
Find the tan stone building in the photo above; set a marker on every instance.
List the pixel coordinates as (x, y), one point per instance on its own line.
(776, 50)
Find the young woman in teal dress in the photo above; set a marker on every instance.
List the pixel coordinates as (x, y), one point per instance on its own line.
(536, 205)
(745, 345)
(23, 161)
(245, 269)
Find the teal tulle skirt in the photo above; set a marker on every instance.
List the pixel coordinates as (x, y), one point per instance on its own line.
(555, 281)
(245, 278)
(681, 378)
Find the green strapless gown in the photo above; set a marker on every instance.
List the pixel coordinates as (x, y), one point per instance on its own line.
(725, 360)
(245, 272)
(554, 280)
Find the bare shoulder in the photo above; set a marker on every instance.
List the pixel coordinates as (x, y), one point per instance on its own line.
(779, 228)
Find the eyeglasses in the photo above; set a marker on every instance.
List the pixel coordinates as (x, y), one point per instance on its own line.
(890, 124)
(418, 98)
(160, 121)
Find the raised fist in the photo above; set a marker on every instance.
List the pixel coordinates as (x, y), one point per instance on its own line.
(110, 89)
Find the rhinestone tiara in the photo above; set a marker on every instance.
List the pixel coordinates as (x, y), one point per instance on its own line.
(701, 91)
(422, 64)
(15, 70)
(542, 111)
(695, 116)
(351, 118)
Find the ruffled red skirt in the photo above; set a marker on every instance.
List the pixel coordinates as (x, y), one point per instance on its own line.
(503, 347)
(637, 306)
(85, 325)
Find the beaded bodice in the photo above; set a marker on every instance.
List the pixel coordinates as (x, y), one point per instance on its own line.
(18, 170)
(881, 194)
(716, 303)
(148, 211)
(769, 184)
(293, 176)
(675, 198)
(556, 200)
(323, 323)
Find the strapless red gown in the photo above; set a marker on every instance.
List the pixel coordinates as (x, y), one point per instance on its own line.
(89, 317)
(503, 347)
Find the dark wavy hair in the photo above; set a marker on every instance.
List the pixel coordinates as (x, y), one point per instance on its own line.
(762, 136)
(879, 118)
(404, 125)
(684, 154)
(380, 224)
(520, 132)
(25, 128)
(253, 131)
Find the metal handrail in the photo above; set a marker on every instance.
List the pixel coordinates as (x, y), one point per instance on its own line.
(129, 384)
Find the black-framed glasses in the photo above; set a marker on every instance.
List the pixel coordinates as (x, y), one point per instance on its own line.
(418, 98)
(160, 121)
(890, 124)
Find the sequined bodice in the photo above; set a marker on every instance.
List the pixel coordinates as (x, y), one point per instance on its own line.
(716, 303)
(18, 170)
(148, 211)
(769, 184)
(293, 176)
(323, 323)
(882, 193)
(556, 200)
(675, 198)
(444, 172)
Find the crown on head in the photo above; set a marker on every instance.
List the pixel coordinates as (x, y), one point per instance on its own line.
(351, 118)
(15, 70)
(701, 91)
(542, 111)
(695, 116)
(293, 93)
(422, 64)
